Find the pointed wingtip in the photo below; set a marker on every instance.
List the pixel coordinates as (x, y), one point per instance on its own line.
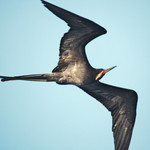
(44, 2)
(48, 5)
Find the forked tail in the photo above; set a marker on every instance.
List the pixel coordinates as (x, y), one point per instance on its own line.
(36, 77)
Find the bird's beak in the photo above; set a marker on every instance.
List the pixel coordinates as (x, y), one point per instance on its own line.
(103, 73)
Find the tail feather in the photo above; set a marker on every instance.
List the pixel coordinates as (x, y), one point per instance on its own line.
(40, 77)
(37, 77)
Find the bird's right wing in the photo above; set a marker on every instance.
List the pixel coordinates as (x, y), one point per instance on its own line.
(122, 104)
(81, 32)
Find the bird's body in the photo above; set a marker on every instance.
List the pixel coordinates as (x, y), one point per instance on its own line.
(73, 68)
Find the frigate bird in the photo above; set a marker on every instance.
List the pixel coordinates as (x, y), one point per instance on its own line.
(74, 68)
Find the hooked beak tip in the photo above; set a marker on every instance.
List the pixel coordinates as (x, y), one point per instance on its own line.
(105, 71)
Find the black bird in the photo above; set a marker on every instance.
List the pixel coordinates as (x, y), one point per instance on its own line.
(73, 68)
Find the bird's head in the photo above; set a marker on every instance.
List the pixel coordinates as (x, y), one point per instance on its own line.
(102, 72)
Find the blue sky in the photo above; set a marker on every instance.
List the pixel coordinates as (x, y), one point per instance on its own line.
(37, 116)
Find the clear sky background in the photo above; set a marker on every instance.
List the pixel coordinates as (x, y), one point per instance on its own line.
(47, 116)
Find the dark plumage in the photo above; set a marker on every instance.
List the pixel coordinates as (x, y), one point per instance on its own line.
(73, 68)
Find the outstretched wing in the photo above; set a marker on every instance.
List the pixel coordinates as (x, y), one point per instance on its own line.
(122, 104)
(81, 32)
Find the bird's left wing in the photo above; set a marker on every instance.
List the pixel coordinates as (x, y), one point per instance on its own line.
(82, 31)
(122, 104)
